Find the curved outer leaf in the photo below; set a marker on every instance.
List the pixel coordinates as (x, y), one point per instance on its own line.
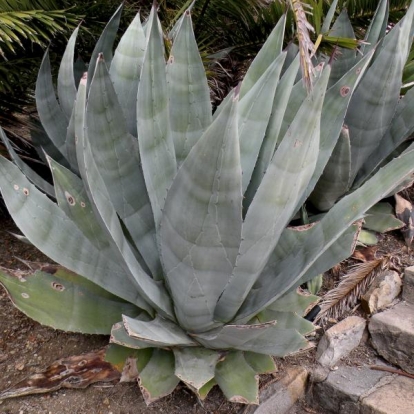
(382, 223)
(376, 29)
(32, 175)
(66, 87)
(151, 291)
(159, 332)
(125, 71)
(261, 363)
(64, 303)
(195, 366)
(263, 338)
(201, 224)
(290, 271)
(157, 379)
(155, 142)
(336, 178)
(50, 113)
(117, 159)
(346, 57)
(290, 246)
(296, 99)
(283, 184)
(271, 49)
(43, 144)
(105, 43)
(373, 104)
(254, 113)
(237, 379)
(70, 144)
(119, 336)
(57, 236)
(72, 198)
(329, 16)
(270, 141)
(401, 128)
(286, 320)
(293, 301)
(335, 105)
(189, 95)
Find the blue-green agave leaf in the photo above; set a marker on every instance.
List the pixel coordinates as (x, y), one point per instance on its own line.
(401, 128)
(201, 223)
(155, 141)
(373, 103)
(58, 237)
(329, 17)
(270, 141)
(159, 331)
(53, 119)
(286, 179)
(237, 379)
(263, 338)
(254, 112)
(116, 157)
(66, 87)
(119, 336)
(152, 292)
(157, 379)
(195, 366)
(334, 109)
(345, 59)
(189, 95)
(125, 71)
(291, 271)
(377, 28)
(266, 56)
(336, 178)
(105, 43)
(54, 297)
(32, 175)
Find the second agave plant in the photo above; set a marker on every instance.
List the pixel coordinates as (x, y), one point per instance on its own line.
(169, 224)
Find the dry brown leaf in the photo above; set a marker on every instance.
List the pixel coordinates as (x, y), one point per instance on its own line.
(74, 372)
(350, 289)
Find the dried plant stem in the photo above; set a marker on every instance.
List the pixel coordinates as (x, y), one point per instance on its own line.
(306, 46)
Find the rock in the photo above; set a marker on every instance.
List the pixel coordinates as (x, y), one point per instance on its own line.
(340, 340)
(319, 374)
(392, 335)
(279, 397)
(340, 393)
(392, 398)
(408, 286)
(382, 292)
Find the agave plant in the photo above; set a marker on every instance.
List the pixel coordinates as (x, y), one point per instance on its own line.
(170, 225)
(379, 121)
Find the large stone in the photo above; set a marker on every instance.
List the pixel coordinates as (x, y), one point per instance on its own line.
(408, 285)
(392, 334)
(342, 390)
(279, 397)
(340, 340)
(382, 292)
(396, 397)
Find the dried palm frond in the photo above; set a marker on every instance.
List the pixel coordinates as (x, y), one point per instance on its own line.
(351, 288)
(306, 47)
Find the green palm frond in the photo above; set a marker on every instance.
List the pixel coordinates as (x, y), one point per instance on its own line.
(36, 26)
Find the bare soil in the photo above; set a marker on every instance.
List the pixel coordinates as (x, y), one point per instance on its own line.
(27, 347)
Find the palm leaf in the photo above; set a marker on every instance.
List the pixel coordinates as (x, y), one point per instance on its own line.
(350, 289)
